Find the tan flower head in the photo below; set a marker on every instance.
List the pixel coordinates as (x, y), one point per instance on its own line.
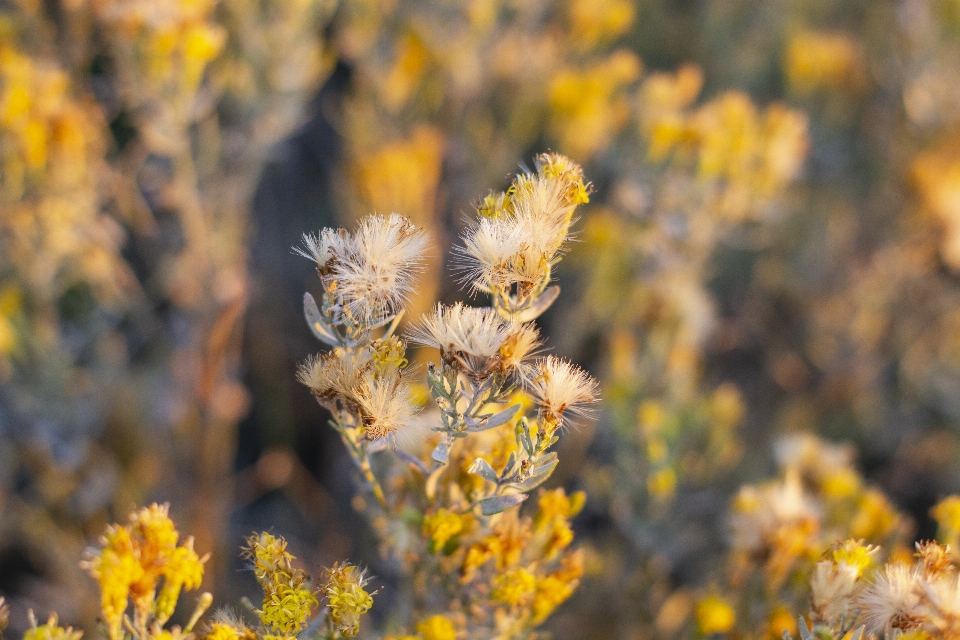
(560, 386)
(385, 406)
(892, 600)
(373, 270)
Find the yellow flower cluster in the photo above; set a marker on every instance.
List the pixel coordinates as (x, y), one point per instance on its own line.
(50, 152)
(49, 631)
(131, 562)
(168, 45)
(715, 615)
(790, 523)
(346, 598)
(816, 60)
(518, 565)
(437, 628)
(590, 106)
(443, 526)
(752, 154)
(288, 599)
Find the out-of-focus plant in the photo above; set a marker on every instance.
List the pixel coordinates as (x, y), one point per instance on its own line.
(132, 135)
(445, 501)
(141, 572)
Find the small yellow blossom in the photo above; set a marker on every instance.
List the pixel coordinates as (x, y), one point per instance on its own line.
(132, 561)
(662, 483)
(551, 592)
(437, 628)
(782, 619)
(223, 631)
(441, 527)
(557, 504)
(855, 554)
(947, 514)
(346, 598)
(515, 587)
(715, 615)
(288, 599)
(50, 631)
(823, 61)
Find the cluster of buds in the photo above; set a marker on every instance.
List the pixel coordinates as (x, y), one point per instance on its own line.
(288, 599)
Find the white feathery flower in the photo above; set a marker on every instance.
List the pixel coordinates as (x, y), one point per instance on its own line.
(759, 512)
(942, 604)
(472, 331)
(385, 406)
(523, 342)
(892, 600)
(560, 386)
(522, 244)
(489, 251)
(831, 589)
(325, 246)
(540, 206)
(377, 272)
(335, 373)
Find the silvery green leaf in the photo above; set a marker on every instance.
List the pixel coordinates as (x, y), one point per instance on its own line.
(523, 434)
(496, 504)
(491, 421)
(482, 468)
(549, 460)
(541, 472)
(541, 304)
(317, 322)
(507, 470)
(441, 452)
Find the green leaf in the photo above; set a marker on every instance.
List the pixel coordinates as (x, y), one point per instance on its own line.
(441, 452)
(507, 470)
(523, 436)
(496, 504)
(491, 421)
(482, 468)
(541, 472)
(316, 321)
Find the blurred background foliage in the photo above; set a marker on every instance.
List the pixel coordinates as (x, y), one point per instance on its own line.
(771, 253)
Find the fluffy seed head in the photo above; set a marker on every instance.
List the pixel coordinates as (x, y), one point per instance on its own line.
(520, 233)
(373, 270)
(523, 341)
(560, 386)
(472, 331)
(377, 279)
(892, 601)
(324, 246)
(337, 373)
(385, 405)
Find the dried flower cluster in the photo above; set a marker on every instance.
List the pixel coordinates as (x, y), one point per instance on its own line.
(474, 455)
